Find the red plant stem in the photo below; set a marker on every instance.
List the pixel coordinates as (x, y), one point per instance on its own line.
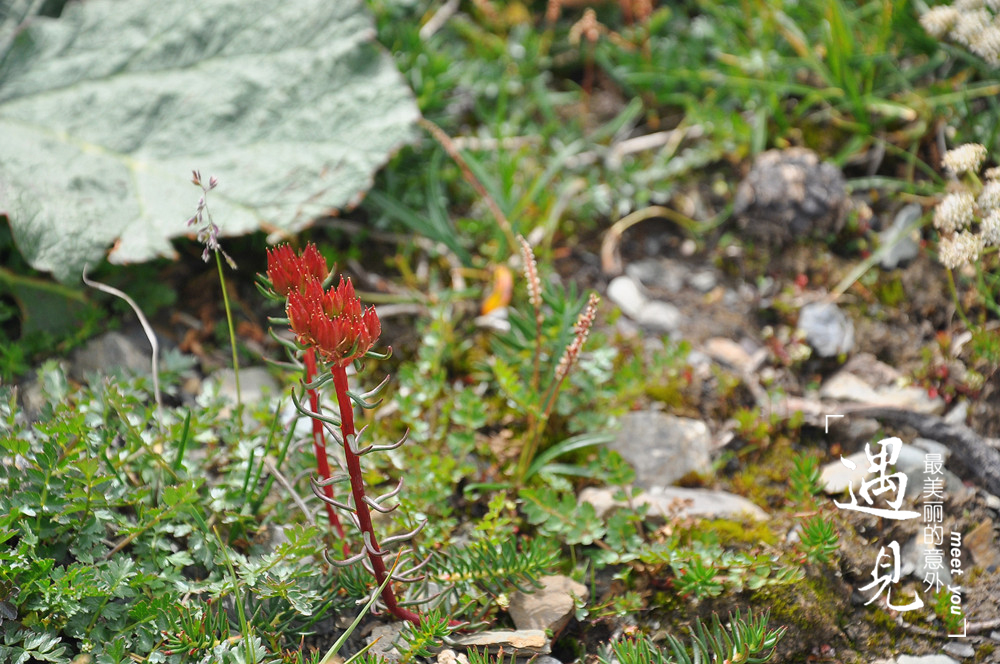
(319, 445)
(358, 490)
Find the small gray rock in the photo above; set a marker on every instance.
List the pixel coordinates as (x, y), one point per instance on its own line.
(959, 649)
(256, 384)
(653, 273)
(384, 639)
(826, 329)
(900, 246)
(845, 386)
(703, 281)
(837, 476)
(660, 317)
(925, 659)
(625, 292)
(913, 562)
(110, 352)
(518, 642)
(549, 607)
(663, 448)
(668, 501)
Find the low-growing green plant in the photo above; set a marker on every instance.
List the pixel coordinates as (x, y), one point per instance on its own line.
(818, 540)
(942, 608)
(741, 641)
(533, 360)
(805, 480)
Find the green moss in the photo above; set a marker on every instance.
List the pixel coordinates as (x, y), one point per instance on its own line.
(735, 532)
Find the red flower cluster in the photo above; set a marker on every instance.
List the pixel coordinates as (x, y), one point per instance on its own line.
(332, 321)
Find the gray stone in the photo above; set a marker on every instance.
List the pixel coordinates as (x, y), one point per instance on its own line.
(384, 638)
(959, 413)
(549, 607)
(836, 477)
(846, 386)
(925, 659)
(959, 649)
(728, 352)
(663, 448)
(932, 447)
(653, 273)
(449, 656)
(703, 281)
(660, 316)
(914, 563)
(900, 245)
(625, 292)
(981, 544)
(110, 352)
(665, 502)
(256, 384)
(519, 642)
(826, 328)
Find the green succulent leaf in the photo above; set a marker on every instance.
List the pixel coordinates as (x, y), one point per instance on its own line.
(105, 111)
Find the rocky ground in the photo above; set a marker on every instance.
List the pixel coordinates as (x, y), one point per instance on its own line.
(770, 318)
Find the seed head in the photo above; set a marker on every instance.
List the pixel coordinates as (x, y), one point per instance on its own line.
(989, 229)
(531, 277)
(959, 249)
(968, 157)
(954, 212)
(939, 20)
(989, 197)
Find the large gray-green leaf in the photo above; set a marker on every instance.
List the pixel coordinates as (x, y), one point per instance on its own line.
(105, 112)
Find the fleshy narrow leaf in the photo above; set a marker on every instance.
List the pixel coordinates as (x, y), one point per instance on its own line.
(105, 112)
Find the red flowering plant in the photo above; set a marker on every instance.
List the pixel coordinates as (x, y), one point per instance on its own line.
(332, 330)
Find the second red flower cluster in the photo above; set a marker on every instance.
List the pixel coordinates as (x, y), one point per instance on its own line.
(331, 320)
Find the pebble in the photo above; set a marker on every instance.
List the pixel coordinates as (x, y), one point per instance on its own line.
(846, 386)
(665, 502)
(959, 649)
(900, 245)
(925, 659)
(549, 607)
(111, 352)
(652, 314)
(518, 642)
(981, 544)
(703, 281)
(653, 273)
(836, 477)
(660, 316)
(827, 329)
(913, 562)
(625, 292)
(663, 448)
(383, 637)
(958, 414)
(728, 352)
